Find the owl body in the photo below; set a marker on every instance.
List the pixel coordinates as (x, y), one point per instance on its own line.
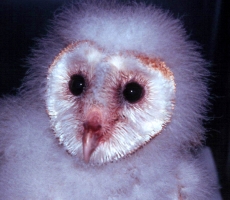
(112, 108)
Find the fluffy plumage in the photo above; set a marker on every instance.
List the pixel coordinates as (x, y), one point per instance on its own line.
(110, 45)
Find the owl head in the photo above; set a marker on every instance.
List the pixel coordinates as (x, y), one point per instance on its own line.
(116, 77)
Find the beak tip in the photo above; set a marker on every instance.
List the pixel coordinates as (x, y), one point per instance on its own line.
(86, 155)
(86, 160)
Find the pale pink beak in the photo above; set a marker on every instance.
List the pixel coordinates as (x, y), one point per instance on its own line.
(91, 136)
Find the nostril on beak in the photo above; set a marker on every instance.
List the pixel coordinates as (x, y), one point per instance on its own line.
(93, 126)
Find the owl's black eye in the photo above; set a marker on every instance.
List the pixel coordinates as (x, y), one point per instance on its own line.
(133, 92)
(76, 84)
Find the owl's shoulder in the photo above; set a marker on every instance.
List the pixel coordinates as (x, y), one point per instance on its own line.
(22, 122)
(16, 112)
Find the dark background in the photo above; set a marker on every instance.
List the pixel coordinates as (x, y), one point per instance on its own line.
(206, 21)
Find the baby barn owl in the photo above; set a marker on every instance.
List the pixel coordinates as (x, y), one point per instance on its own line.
(111, 108)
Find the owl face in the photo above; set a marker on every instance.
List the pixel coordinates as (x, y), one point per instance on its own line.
(104, 105)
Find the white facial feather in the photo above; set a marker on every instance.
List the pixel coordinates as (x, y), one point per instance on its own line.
(125, 126)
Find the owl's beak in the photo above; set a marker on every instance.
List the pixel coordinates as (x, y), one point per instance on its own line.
(91, 137)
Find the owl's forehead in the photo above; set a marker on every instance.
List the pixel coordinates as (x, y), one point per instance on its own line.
(87, 54)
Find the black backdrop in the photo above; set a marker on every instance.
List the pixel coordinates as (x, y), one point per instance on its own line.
(206, 21)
